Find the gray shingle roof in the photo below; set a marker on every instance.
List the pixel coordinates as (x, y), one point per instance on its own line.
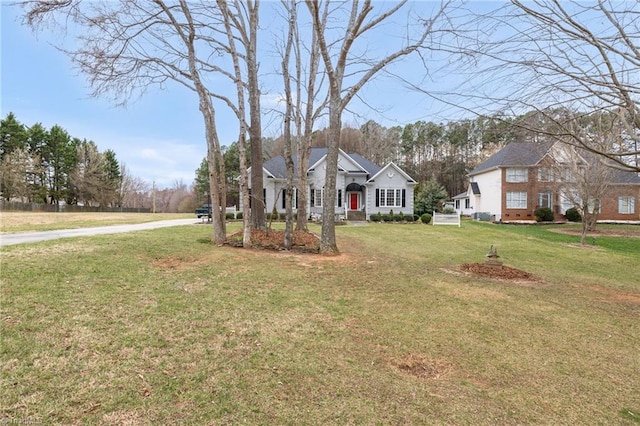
(278, 168)
(622, 177)
(515, 154)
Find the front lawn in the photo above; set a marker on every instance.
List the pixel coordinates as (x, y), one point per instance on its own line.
(162, 327)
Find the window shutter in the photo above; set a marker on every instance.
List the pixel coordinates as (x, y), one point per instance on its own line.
(284, 198)
(264, 196)
(404, 196)
(250, 197)
(377, 197)
(313, 198)
(339, 197)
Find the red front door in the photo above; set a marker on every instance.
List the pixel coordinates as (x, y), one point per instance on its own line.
(353, 202)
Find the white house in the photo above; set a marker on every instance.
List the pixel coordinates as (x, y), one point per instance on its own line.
(362, 187)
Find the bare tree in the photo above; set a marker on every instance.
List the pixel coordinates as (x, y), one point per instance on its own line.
(582, 57)
(133, 191)
(235, 21)
(18, 171)
(306, 115)
(288, 117)
(240, 22)
(347, 73)
(88, 178)
(584, 177)
(126, 47)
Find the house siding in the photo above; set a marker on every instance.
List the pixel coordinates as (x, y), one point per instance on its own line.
(490, 184)
(386, 181)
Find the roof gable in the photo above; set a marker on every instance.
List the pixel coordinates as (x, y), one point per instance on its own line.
(386, 168)
(515, 154)
(355, 163)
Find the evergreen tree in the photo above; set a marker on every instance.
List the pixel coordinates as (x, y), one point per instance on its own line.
(13, 135)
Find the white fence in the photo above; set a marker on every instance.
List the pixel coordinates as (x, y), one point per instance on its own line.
(446, 219)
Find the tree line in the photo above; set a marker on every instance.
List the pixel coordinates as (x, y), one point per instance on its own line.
(40, 165)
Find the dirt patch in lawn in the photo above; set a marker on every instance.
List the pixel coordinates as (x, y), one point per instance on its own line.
(423, 368)
(498, 272)
(273, 239)
(617, 296)
(625, 232)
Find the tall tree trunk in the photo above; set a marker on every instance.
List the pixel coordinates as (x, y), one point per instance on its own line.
(328, 243)
(255, 128)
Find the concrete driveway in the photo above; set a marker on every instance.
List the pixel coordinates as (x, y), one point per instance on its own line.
(32, 237)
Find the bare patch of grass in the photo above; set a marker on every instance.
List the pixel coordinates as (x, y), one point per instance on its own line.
(419, 366)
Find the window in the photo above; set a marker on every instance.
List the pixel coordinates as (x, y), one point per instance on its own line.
(626, 205)
(545, 199)
(517, 175)
(517, 200)
(317, 196)
(545, 174)
(390, 197)
(467, 203)
(294, 200)
(457, 204)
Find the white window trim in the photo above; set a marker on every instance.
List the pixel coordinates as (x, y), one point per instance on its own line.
(397, 197)
(321, 198)
(319, 192)
(520, 200)
(626, 205)
(546, 193)
(517, 175)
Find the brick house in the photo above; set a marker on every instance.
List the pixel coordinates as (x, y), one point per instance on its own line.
(522, 177)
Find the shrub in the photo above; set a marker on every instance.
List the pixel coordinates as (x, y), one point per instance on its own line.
(376, 217)
(239, 215)
(449, 210)
(399, 217)
(544, 214)
(282, 216)
(230, 216)
(573, 215)
(425, 218)
(387, 217)
(416, 217)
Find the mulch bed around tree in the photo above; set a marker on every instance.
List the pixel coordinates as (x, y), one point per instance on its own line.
(273, 239)
(498, 272)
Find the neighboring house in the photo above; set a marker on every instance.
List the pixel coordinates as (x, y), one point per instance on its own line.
(510, 185)
(362, 187)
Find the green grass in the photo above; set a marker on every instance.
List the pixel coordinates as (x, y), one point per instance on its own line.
(161, 327)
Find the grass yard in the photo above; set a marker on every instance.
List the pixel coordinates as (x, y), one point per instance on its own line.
(161, 327)
(45, 221)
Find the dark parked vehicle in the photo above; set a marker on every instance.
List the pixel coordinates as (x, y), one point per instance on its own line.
(203, 211)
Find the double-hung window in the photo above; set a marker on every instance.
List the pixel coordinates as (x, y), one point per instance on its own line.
(390, 197)
(545, 174)
(517, 200)
(626, 205)
(317, 197)
(545, 199)
(517, 174)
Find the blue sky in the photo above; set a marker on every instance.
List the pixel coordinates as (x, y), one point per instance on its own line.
(160, 136)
